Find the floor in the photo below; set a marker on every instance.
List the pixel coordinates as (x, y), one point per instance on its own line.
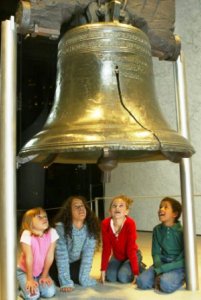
(117, 291)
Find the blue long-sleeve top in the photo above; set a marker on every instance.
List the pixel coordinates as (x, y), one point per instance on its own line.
(70, 249)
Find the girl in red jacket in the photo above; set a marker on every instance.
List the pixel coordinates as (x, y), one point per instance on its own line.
(120, 254)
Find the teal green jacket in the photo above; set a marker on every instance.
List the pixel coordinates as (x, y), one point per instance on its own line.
(167, 248)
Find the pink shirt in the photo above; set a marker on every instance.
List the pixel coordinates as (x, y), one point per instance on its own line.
(39, 246)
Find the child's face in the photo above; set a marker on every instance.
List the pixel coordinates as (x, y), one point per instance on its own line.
(166, 214)
(118, 209)
(40, 222)
(78, 210)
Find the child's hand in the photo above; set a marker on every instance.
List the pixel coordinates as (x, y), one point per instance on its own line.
(66, 289)
(46, 280)
(102, 277)
(134, 280)
(31, 286)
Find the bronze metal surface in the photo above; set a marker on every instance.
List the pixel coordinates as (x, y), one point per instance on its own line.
(105, 99)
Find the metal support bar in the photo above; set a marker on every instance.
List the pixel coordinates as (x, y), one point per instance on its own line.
(186, 178)
(8, 160)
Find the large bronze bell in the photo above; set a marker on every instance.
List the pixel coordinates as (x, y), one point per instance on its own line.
(105, 105)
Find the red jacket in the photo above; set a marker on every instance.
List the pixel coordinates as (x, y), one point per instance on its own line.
(122, 247)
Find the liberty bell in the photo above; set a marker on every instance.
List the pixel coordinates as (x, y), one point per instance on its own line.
(105, 109)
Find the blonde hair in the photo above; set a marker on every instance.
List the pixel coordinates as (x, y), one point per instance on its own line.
(126, 199)
(28, 217)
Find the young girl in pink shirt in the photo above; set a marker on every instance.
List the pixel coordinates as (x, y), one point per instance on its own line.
(38, 243)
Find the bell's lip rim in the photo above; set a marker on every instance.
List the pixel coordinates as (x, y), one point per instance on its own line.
(31, 150)
(64, 157)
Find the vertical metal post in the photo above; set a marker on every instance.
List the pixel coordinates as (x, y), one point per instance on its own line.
(96, 206)
(90, 196)
(186, 178)
(7, 160)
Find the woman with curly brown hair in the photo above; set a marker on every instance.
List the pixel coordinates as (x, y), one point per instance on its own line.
(79, 234)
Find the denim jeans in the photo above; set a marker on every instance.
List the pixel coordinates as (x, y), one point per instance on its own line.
(121, 270)
(45, 291)
(169, 282)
